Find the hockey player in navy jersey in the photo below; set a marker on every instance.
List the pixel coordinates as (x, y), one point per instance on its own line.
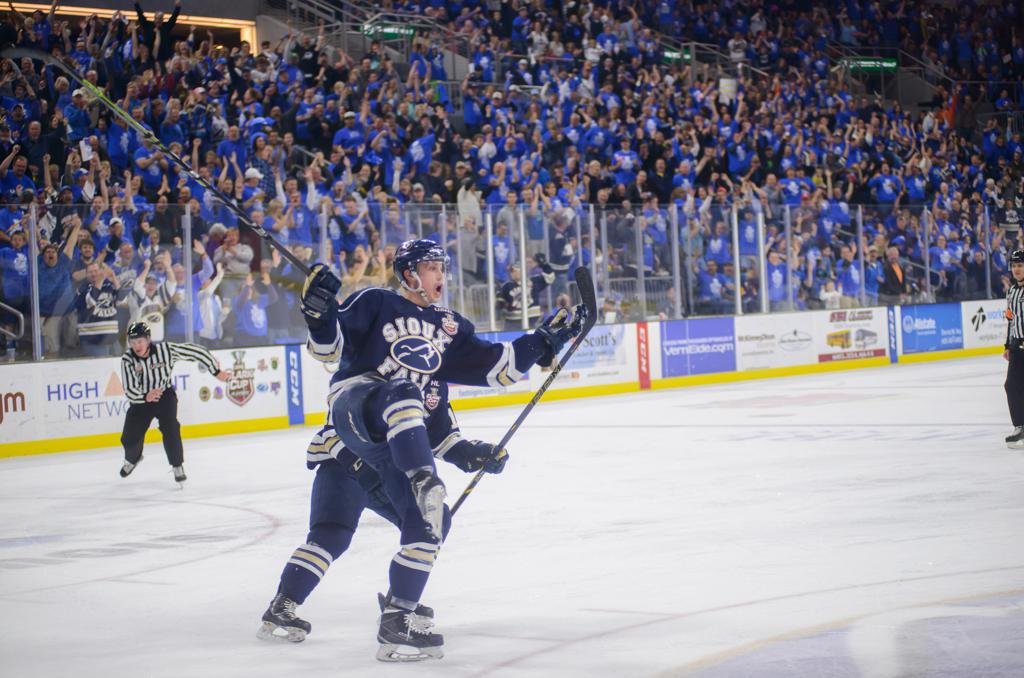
(388, 406)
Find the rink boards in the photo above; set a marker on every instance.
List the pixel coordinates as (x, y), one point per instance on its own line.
(80, 404)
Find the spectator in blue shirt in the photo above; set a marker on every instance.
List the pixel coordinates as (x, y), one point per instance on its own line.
(848, 278)
(77, 118)
(778, 298)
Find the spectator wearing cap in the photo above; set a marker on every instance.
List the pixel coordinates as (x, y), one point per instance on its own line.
(149, 299)
(253, 195)
(76, 117)
(151, 164)
(349, 137)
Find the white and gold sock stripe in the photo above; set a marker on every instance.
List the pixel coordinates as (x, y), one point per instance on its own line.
(418, 555)
(402, 416)
(312, 558)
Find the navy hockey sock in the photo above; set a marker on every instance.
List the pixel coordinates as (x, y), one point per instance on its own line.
(409, 571)
(410, 567)
(304, 570)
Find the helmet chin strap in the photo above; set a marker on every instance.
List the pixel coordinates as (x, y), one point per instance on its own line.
(419, 286)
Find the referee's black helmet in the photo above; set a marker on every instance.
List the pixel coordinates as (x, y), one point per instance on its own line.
(1017, 257)
(137, 330)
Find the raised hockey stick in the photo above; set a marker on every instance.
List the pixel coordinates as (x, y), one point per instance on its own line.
(585, 285)
(50, 60)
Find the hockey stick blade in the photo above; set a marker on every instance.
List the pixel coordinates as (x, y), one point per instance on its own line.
(588, 296)
(15, 53)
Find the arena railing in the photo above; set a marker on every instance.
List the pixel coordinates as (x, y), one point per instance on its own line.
(649, 261)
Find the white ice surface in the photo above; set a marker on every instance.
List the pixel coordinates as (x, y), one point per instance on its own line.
(665, 533)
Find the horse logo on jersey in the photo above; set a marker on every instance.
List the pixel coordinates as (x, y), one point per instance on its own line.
(417, 354)
(450, 325)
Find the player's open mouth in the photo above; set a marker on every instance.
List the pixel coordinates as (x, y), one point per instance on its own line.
(437, 290)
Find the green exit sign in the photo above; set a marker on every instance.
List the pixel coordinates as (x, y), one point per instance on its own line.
(388, 31)
(670, 56)
(870, 64)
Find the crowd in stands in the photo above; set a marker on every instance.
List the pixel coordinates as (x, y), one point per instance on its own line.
(570, 110)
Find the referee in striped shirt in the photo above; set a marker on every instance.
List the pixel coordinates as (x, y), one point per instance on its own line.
(1014, 352)
(146, 374)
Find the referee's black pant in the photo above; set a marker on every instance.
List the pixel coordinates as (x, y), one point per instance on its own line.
(1015, 386)
(138, 419)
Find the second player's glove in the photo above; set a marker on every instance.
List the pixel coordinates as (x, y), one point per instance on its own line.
(560, 328)
(319, 297)
(474, 455)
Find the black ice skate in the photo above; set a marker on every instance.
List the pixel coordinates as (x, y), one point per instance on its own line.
(128, 467)
(430, 493)
(281, 623)
(407, 637)
(179, 475)
(1015, 441)
(421, 610)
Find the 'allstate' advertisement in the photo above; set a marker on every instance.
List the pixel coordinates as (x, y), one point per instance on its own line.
(699, 346)
(933, 327)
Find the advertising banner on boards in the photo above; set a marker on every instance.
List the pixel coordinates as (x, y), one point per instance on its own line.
(699, 346)
(766, 341)
(931, 327)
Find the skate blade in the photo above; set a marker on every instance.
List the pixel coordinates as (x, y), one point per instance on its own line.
(1015, 445)
(389, 652)
(282, 634)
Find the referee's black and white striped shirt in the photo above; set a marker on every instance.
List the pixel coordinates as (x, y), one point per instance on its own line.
(1015, 314)
(141, 375)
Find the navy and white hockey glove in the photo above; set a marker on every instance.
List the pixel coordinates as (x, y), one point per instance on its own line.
(319, 303)
(474, 455)
(560, 328)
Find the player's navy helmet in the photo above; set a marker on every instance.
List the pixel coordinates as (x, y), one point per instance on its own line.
(138, 330)
(1017, 257)
(412, 252)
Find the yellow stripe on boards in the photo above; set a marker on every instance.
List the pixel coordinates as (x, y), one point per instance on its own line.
(501, 400)
(76, 443)
(950, 355)
(768, 373)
